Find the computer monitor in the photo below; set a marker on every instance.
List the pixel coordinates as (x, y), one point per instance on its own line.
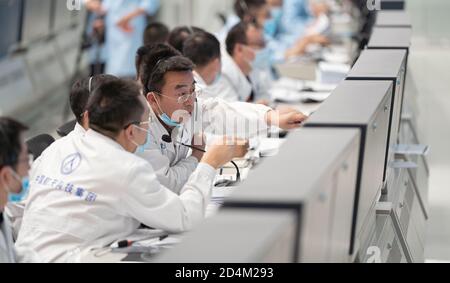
(364, 106)
(391, 38)
(385, 65)
(10, 21)
(238, 236)
(36, 20)
(393, 19)
(314, 176)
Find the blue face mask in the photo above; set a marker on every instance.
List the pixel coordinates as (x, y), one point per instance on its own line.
(271, 26)
(141, 148)
(263, 59)
(165, 118)
(15, 198)
(169, 122)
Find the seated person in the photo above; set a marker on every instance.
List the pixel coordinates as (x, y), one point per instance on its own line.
(242, 44)
(204, 50)
(79, 96)
(14, 165)
(93, 190)
(156, 33)
(179, 35)
(168, 83)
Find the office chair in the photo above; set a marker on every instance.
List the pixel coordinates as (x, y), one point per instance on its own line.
(65, 129)
(38, 144)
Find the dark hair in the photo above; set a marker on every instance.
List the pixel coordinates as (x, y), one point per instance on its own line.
(114, 106)
(244, 8)
(156, 33)
(202, 48)
(178, 36)
(141, 53)
(79, 94)
(237, 35)
(10, 143)
(159, 60)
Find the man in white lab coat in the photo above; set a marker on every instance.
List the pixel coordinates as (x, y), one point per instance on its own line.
(14, 166)
(79, 96)
(165, 76)
(242, 44)
(94, 190)
(204, 50)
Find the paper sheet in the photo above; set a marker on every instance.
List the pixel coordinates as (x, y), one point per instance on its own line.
(403, 165)
(309, 96)
(412, 149)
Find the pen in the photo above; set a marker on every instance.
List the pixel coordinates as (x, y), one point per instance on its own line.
(122, 244)
(127, 243)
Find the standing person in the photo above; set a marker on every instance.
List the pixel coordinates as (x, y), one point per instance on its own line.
(125, 24)
(96, 33)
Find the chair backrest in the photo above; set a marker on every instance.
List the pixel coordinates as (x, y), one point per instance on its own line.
(38, 144)
(65, 129)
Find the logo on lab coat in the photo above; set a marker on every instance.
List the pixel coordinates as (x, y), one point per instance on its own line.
(70, 164)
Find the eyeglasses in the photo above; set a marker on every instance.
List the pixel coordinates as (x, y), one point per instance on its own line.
(185, 97)
(137, 124)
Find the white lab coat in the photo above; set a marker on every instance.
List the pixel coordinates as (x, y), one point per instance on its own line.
(233, 85)
(89, 192)
(7, 252)
(15, 210)
(209, 114)
(262, 82)
(173, 163)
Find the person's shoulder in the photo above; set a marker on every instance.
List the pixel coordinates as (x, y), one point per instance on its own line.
(57, 145)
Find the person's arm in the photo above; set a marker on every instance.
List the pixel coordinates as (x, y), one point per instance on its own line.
(257, 116)
(94, 6)
(295, 17)
(146, 7)
(172, 177)
(300, 46)
(146, 200)
(124, 22)
(288, 120)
